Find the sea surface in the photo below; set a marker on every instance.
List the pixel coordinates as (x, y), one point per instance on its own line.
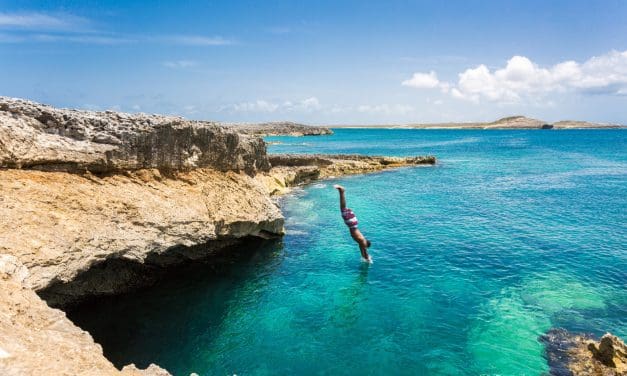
(511, 234)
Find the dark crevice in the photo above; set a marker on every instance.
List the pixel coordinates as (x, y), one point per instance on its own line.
(117, 275)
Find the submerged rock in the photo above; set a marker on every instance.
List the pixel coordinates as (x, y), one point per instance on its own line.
(580, 355)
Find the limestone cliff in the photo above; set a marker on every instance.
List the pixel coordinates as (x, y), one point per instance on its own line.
(95, 203)
(38, 340)
(82, 193)
(37, 136)
(70, 222)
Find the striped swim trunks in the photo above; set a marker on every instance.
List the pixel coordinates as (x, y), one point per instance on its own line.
(349, 218)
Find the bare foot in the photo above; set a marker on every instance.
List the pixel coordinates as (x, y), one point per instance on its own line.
(339, 187)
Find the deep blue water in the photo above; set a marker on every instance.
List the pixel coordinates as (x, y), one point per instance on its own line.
(510, 234)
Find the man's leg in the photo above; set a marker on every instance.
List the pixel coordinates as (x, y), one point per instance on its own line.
(342, 198)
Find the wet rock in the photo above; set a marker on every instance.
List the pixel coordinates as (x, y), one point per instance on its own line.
(570, 354)
(611, 352)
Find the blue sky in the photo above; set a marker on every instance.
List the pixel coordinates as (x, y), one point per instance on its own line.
(321, 62)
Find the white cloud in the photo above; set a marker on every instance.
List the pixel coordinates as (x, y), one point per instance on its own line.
(521, 79)
(260, 105)
(60, 36)
(308, 104)
(386, 109)
(40, 21)
(68, 28)
(256, 106)
(180, 64)
(196, 40)
(423, 81)
(86, 39)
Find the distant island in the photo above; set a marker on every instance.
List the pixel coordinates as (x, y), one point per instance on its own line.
(511, 122)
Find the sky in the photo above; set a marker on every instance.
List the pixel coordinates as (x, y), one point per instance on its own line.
(321, 62)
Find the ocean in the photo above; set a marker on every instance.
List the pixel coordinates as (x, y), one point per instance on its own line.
(510, 234)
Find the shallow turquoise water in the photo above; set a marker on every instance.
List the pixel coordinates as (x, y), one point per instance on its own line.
(510, 234)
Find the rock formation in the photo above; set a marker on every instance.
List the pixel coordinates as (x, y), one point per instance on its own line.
(285, 128)
(292, 169)
(580, 355)
(41, 137)
(70, 222)
(96, 203)
(38, 340)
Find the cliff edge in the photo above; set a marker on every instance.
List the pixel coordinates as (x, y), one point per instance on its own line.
(96, 203)
(38, 136)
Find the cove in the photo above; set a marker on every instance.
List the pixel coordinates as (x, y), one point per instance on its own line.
(511, 234)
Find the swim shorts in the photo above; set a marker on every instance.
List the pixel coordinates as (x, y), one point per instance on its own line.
(349, 218)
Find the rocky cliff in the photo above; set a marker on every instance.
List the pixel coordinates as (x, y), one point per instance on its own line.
(38, 340)
(41, 137)
(95, 203)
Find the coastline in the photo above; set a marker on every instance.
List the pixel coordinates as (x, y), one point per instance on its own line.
(104, 201)
(511, 122)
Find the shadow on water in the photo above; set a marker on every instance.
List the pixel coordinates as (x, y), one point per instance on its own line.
(179, 315)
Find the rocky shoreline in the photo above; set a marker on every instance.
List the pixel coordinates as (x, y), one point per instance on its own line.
(95, 203)
(98, 203)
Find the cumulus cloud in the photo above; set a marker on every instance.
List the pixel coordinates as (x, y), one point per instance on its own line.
(423, 81)
(522, 79)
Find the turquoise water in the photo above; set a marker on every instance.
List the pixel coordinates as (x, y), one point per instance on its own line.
(510, 234)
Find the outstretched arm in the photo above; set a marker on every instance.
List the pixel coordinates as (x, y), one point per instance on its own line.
(342, 198)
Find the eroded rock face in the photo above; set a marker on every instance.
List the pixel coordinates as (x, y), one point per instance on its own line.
(69, 222)
(37, 136)
(38, 340)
